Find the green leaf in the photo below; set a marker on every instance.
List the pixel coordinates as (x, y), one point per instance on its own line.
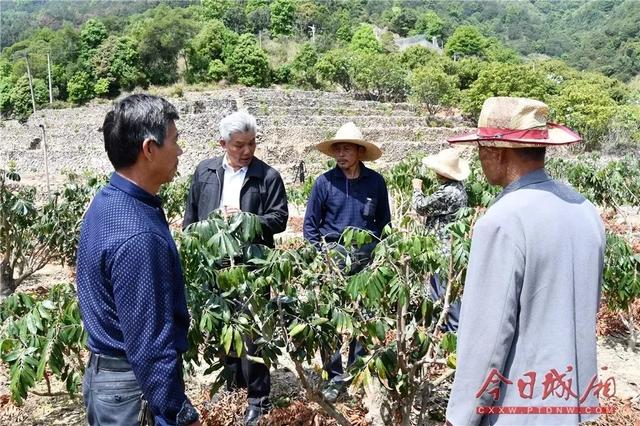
(381, 370)
(298, 329)
(256, 359)
(44, 356)
(449, 341)
(452, 361)
(31, 324)
(238, 343)
(48, 304)
(320, 321)
(226, 340)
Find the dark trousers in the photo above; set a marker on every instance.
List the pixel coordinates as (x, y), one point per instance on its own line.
(255, 377)
(112, 396)
(333, 363)
(242, 373)
(438, 291)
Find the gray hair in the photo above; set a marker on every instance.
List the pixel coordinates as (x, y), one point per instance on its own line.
(237, 122)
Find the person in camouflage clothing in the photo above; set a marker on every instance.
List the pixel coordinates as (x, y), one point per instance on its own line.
(440, 209)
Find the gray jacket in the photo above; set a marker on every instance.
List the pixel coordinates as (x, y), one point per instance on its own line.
(530, 300)
(263, 193)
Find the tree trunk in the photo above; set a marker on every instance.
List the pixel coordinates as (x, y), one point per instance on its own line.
(7, 282)
(632, 329)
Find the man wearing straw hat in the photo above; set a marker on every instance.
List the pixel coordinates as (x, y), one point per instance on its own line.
(349, 195)
(527, 333)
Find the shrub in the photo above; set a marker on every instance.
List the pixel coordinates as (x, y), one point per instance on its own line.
(248, 63)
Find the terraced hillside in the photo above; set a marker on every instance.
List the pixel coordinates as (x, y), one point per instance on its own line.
(291, 123)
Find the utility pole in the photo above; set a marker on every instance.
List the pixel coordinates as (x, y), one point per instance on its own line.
(46, 158)
(49, 69)
(33, 98)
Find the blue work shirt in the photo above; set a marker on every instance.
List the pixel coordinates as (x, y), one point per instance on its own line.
(131, 291)
(337, 202)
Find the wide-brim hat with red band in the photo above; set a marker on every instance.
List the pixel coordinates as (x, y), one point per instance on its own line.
(507, 122)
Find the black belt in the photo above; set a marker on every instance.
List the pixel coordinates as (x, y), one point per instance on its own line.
(110, 363)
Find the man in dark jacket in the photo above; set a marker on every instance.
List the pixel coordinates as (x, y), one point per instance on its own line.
(237, 181)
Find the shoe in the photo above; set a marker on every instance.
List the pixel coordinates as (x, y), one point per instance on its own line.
(332, 391)
(253, 415)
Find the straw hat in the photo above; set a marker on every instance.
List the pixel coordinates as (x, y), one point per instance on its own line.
(516, 123)
(350, 133)
(448, 163)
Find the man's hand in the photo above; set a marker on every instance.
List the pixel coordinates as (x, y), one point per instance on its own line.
(417, 184)
(230, 211)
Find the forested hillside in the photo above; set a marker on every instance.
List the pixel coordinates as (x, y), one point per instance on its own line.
(581, 57)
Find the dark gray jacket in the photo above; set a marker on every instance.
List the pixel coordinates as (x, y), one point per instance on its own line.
(262, 193)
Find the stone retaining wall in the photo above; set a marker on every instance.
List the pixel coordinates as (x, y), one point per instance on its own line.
(291, 123)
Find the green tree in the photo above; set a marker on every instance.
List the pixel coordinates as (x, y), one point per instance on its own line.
(235, 18)
(248, 63)
(365, 40)
(92, 33)
(161, 35)
(379, 77)
(303, 67)
(217, 70)
(215, 9)
(466, 69)
(214, 41)
(621, 283)
(429, 24)
(624, 127)
(498, 79)
(400, 20)
(343, 24)
(258, 15)
(117, 62)
(5, 95)
(33, 235)
(466, 41)
(336, 66)
(495, 52)
(20, 96)
(416, 56)
(80, 88)
(433, 88)
(309, 12)
(585, 108)
(282, 17)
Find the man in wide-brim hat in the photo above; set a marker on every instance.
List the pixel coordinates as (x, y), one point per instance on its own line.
(533, 281)
(348, 195)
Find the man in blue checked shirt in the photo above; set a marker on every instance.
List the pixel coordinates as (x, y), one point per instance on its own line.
(130, 285)
(349, 195)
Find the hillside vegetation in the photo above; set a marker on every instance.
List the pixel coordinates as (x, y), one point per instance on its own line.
(582, 58)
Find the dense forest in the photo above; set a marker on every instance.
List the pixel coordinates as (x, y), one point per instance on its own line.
(581, 57)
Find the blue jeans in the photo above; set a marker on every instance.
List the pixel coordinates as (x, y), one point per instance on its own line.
(112, 398)
(438, 291)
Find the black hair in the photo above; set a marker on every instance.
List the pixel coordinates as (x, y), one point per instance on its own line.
(131, 121)
(531, 154)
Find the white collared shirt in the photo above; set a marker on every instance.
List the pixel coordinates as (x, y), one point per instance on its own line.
(233, 181)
